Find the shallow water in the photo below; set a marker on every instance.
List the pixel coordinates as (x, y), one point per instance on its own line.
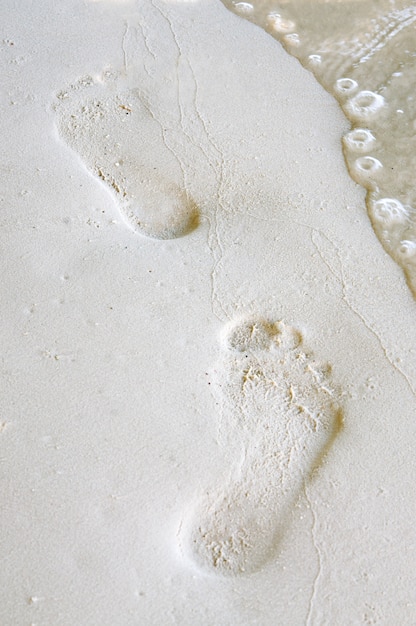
(364, 54)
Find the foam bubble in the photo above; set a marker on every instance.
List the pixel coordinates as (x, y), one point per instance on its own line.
(292, 39)
(389, 212)
(365, 105)
(280, 24)
(359, 140)
(345, 86)
(244, 7)
(314, 60)
(365, 169)
(367, 165)
(407, 249)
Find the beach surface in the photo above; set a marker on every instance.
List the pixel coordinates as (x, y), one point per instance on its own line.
(209, 367)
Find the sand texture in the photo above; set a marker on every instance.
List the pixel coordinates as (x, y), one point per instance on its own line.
(208, 364)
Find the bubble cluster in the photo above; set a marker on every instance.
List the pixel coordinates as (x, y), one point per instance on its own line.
(345, 86)
(359, 140)
(356, 67)
(365, 105)
(389, 212)
(279, 24)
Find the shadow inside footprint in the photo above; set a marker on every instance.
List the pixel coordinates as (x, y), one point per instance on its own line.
(120, 141)
(283, 402)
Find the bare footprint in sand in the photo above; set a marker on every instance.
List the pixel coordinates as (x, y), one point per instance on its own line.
(281, 401)
(118, 138)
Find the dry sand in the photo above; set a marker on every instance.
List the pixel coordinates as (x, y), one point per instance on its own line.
(208, 413)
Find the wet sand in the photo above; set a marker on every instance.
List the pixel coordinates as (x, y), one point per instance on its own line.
(363, 54)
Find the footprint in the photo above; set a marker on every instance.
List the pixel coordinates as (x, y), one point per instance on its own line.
(119, 139)
(282, 403)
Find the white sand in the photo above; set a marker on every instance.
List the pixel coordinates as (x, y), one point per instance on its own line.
(126, 417)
